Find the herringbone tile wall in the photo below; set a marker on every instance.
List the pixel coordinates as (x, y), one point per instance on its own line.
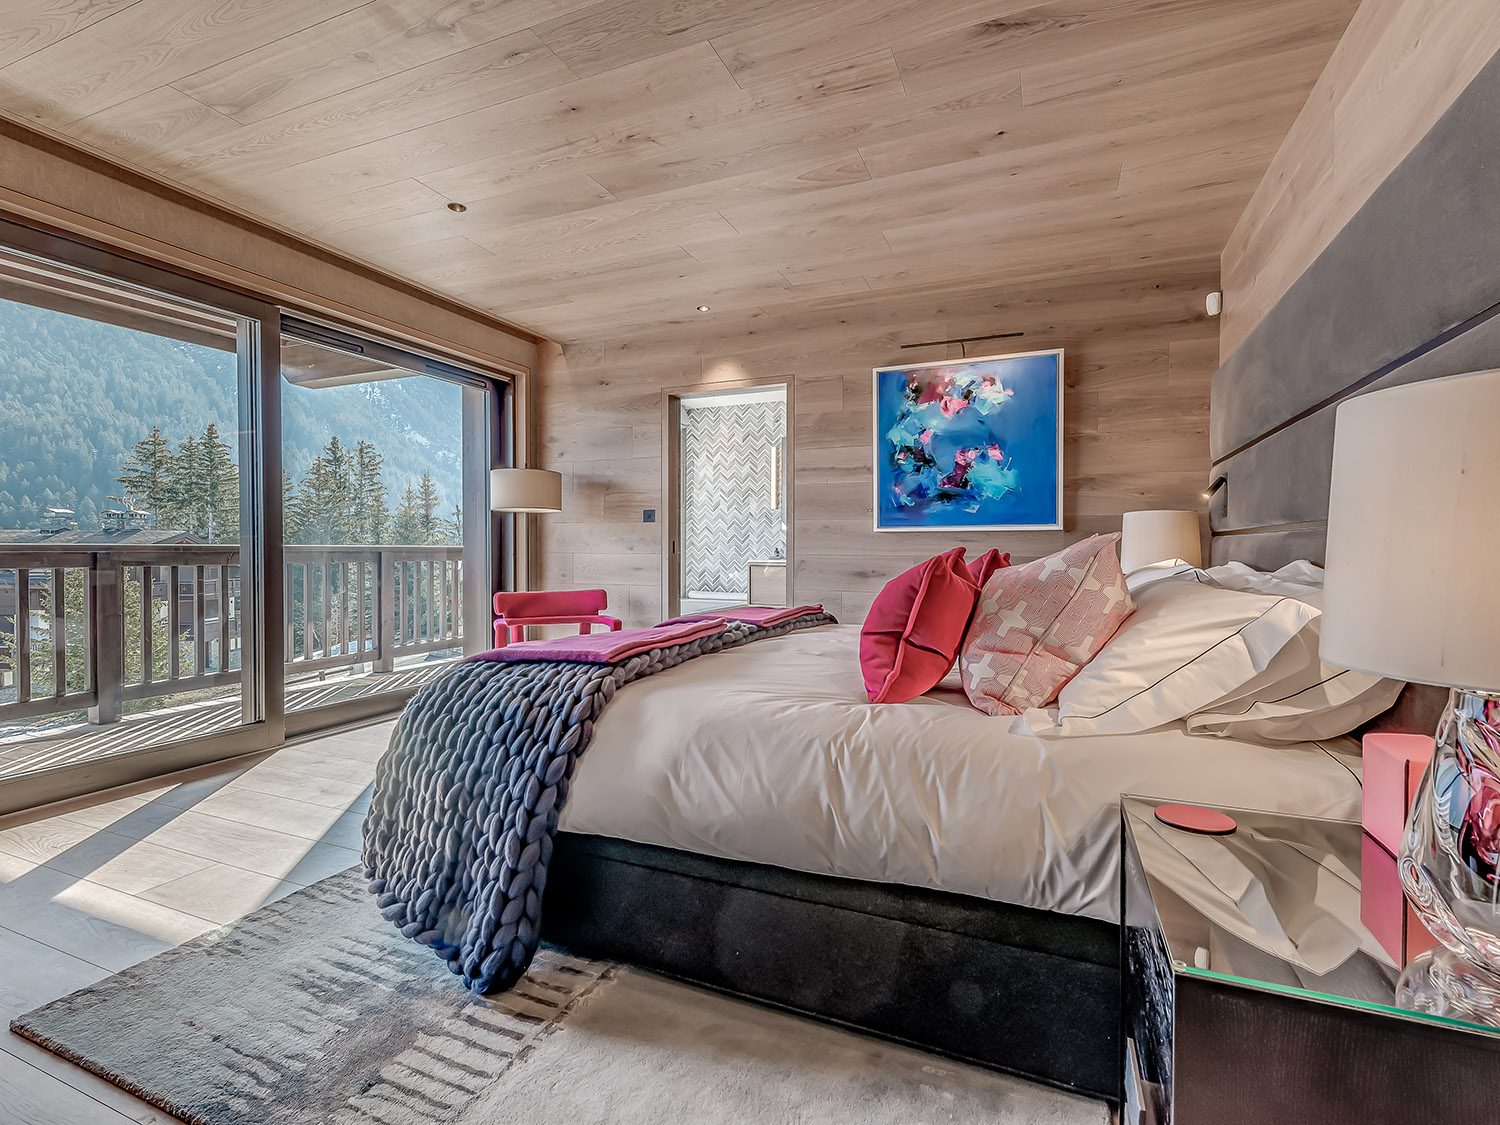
(728, 513)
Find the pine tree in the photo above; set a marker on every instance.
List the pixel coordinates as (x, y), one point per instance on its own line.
(371, 510)
(221, 488)
(311, 502)
(341, 498)
(324, 508)
(185, 507)
(308, 503)
(428, 499)
(147, 473)
(338, 494)
(406, 527)
(290, 527)
(451, 529)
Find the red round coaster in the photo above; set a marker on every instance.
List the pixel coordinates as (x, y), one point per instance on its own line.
(1195, 818)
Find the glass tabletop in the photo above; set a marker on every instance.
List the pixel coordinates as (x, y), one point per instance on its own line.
(1289, 904)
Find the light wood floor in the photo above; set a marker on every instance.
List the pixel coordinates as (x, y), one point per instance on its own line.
(95, 888)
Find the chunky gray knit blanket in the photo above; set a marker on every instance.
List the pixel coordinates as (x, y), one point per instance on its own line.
(459, 833)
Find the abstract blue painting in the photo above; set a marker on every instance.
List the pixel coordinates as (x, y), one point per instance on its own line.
(974, 445)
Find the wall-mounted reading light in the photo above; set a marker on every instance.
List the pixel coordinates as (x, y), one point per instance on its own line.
(1218, 483)
(1214, 304)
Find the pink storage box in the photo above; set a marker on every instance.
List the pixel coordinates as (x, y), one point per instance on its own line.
(1383, 907)
(1393, 767)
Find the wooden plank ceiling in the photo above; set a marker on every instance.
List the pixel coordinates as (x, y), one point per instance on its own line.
(625, 161)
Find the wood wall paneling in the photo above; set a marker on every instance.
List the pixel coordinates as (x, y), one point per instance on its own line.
(1140, 354)
(1400, 64)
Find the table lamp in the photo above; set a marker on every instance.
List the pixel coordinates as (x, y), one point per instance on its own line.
(1413, 592)
(525, 490)
(1152, 538)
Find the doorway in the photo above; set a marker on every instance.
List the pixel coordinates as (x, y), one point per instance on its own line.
(730, 515)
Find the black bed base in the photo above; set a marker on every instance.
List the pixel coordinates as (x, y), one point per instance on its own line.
(1021, 990)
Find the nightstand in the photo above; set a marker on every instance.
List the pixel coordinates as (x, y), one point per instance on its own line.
(1254, 995)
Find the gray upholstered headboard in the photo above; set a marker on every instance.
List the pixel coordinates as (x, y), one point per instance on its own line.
(1409, 290)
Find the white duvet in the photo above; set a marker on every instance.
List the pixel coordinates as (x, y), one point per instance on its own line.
(770, 753)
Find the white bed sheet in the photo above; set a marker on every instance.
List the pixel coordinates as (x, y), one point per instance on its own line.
(770, 753)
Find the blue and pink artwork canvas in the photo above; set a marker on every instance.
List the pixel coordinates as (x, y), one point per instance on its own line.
(974, 445)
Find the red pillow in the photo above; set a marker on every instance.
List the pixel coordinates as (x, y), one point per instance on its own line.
(913, 632)
(986, 564)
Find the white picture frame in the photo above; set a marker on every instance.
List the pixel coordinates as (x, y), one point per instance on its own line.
(918, 481)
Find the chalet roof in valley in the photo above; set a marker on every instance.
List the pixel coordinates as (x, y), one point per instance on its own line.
(94, 537)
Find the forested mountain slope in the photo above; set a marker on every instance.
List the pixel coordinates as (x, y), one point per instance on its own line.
(76, 395)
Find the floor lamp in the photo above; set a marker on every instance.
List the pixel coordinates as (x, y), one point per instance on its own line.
(524, 492)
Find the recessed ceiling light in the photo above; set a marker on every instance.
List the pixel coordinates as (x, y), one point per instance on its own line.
(702, 308)
(458, 207)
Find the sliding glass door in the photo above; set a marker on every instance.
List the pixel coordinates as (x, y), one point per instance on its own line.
(129, 517)
(386, 521)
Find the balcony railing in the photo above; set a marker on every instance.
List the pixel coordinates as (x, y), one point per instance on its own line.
(99, 627)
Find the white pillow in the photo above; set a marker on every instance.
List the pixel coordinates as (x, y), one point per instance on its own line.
(1302, 580)
(1312, 700)
(1190, 643)
(1231, 650)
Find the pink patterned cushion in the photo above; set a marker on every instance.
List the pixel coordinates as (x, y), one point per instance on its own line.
(1037, 625)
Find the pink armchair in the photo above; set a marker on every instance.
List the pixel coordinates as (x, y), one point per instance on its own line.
(513, 612)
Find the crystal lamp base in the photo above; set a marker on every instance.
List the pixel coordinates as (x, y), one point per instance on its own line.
(1450, 853)
(1441, 983)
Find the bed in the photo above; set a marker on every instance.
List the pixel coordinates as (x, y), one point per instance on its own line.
(921, 871)
(771, 754)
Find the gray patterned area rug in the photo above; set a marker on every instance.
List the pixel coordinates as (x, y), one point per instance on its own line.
(313, 1011)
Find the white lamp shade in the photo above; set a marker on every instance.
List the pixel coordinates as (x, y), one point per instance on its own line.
(1148, 538)
(525, 490)
(1413, 575)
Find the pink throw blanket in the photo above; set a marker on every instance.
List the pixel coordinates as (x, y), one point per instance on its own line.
(606, 648)
(764, 616)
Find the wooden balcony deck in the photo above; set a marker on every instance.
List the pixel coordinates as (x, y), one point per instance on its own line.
(84, 742)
